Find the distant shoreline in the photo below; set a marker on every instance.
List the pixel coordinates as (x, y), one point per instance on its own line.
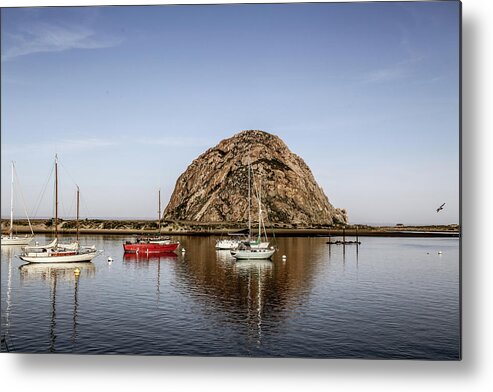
(148, 227)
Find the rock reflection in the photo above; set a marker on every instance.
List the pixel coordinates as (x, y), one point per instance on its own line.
(251, 293)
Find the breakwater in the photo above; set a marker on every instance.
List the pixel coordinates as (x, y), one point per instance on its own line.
(148, 227)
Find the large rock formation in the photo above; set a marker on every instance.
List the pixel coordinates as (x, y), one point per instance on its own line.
(214, 188)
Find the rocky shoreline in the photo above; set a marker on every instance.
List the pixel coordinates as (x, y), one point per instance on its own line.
(149, 227)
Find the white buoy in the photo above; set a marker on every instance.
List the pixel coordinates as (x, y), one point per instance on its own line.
(439, 252)
(110, 259)
(182, 250)
(284, 257)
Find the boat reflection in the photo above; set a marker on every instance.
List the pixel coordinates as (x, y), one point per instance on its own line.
(277, 286)
(224, 256)
(257, 273)
(7, 255)
(253, 265)
(60, 271)
(55, 274)
(137, 257)
(142, 260)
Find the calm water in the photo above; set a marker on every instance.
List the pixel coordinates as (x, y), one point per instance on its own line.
(391, 298)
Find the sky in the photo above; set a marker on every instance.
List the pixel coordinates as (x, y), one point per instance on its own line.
(366, 93)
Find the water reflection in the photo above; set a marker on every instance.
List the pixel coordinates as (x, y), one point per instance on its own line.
(248, 294)
(319, 301)
(7, 256)
(224, 257)
(257, 273)
(142, 260)
(55, 274)
(56, 271)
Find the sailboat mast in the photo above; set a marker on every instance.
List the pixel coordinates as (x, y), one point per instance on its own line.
(249, 202)
(56, 197)
(159, 212)
(12, 202)
(77, 224)
(259, 210)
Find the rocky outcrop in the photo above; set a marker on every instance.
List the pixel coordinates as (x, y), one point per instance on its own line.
(214, 188)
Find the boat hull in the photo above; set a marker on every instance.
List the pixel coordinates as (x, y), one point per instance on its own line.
(227, 244)
(16, 240)
(253, 254)
(150, 248)
(66, 257)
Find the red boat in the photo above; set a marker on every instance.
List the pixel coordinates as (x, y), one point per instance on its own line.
(150, 245)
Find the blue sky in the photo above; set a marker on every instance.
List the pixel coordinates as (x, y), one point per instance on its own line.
(366, 93)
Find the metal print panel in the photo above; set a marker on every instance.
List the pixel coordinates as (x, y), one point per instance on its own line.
(254, 180)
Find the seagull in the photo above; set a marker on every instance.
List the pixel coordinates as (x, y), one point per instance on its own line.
(440, 208)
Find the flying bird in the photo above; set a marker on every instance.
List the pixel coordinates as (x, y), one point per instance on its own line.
(440, 208)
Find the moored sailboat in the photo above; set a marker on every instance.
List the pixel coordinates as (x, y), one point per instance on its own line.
(233, 243)
(254, 250)
(12, 239)
(227, 243)
(246, 252)
(151, 245)
(55, 252)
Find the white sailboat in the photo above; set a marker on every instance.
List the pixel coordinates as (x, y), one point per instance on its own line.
(233, 243)
(11, 239)
(227, 244)
(254, 250)
(55, 252)
(246, 252)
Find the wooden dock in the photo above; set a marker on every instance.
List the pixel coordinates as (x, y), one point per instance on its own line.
(356, 241)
